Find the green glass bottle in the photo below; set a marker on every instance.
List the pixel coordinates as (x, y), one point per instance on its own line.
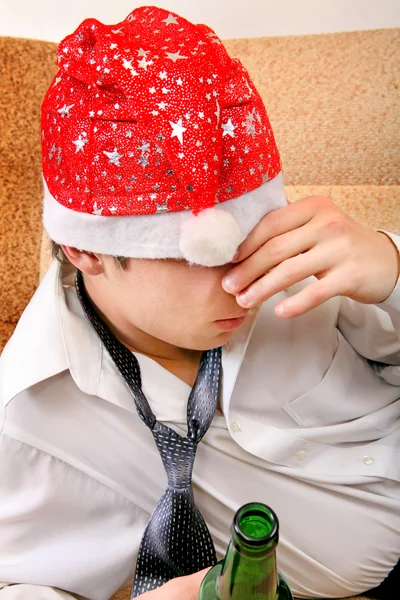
(248, 571)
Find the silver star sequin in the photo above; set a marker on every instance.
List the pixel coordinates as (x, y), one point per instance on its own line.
(80, 144)
(64, 111)
(127, 64)
(174, 56)
(52, 150)
(162, 207)
(113, 157)
(96, 209)
(218, 112)
(170, 20)
(177, 130)
(145, 147)
(143, 64)
(228, 128)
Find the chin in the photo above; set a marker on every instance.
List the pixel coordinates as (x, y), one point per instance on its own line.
(202, 344)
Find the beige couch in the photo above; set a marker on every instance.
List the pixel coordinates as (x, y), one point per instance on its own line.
(333, 104)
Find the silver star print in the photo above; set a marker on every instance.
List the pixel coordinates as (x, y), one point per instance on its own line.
(228, 128)
(113, 157)
(174, 56)
(265, 177)
(142, 52)
(52, 150)
(143, 64)
(250, 129)
(80, 144)
(218, 111)
(162, 207)
(143, 160)
(145, 147)
(249, 88)
(170, 20)
(127, 64)
(64, 111)
(178, 130)
(113, 209)
(250, 117)
(96, 209)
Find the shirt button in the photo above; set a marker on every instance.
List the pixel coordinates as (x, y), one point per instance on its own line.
(235, 427)
(368, 460)
(301, 455)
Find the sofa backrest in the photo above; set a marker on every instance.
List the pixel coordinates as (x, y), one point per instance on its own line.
(332, 99)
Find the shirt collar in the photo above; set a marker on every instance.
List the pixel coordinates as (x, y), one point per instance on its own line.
(35, 351)
(53, 335)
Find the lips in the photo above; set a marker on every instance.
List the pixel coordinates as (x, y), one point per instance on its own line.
(234, 317)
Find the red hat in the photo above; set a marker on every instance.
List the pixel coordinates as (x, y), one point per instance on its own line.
(155, 143)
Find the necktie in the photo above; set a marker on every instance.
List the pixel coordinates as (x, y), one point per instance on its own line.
(176, 540)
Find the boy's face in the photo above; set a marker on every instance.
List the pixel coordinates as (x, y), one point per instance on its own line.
(166, 299)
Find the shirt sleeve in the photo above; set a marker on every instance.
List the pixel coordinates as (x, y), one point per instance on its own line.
(373, 330)
(33, 592)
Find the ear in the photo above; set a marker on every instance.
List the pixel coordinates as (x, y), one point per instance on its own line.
(87, 262)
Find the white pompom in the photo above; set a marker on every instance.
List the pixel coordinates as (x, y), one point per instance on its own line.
(211, 238)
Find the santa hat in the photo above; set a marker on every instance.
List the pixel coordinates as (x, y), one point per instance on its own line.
(155, 143)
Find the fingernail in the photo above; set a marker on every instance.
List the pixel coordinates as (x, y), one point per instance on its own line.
(229, 282)
(236, 256)
(280, 310)
(244, 299)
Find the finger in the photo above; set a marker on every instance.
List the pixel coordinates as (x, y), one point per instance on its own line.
(311, 296)
(268, 256)
(291, 271)
(280, 221)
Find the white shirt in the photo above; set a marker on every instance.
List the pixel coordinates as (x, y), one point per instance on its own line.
(310, 426)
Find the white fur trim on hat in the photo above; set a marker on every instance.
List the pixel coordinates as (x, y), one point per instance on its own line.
(159, 235)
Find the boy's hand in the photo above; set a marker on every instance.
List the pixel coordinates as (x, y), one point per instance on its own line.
(313, 236)
(181, 588)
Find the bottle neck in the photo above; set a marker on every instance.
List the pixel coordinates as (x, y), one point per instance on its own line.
(249, 574)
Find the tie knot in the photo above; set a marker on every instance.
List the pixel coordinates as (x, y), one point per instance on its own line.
(177, 454)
